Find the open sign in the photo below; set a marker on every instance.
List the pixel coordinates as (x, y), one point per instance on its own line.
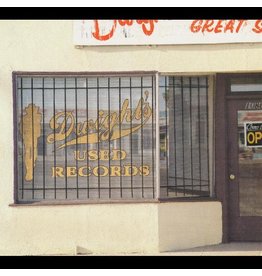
(253, 134)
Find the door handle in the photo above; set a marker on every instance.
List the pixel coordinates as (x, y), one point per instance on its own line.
(232, 177)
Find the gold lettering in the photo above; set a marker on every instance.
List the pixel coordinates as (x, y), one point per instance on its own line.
(104, 155)
(63, 132)
(98, 121)
(138, 114)
(57, 172)
(101, 171)
(147, 111)
(92, 154)
(129, 168)
(124, 110)
(71, 171)
(103, 129)
(118, 155)
(91, 124)
(144, 170)
(81, 171)
(77, 155)
(109, 123)
(97, 171)
(81, 129)
(115, 171)
(128, 115)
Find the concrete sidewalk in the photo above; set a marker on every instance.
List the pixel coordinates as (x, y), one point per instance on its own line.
(226, 249)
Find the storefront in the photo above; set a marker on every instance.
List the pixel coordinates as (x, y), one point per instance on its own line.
(129, 135)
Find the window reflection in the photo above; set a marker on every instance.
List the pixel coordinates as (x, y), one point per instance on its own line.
(250, 168)
(184, 132)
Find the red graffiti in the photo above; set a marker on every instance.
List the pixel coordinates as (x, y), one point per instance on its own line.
(147, 28)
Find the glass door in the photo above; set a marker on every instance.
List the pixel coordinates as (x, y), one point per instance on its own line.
(245, 169)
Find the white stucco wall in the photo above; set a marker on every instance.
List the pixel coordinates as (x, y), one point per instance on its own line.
(185, 225)
(47, 46)
(103, 228)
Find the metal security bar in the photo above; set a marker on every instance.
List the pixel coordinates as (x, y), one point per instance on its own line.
(82, 137)
(184, 137)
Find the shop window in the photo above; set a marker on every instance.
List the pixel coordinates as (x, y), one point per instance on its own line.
(184, 137)
(85, 138)
(94, 138)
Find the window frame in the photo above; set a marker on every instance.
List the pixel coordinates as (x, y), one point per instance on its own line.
(157, 198)
(211, 139)
(17, 74)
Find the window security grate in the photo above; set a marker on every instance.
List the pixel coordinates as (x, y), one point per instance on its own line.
(85, 137)
(184, 137)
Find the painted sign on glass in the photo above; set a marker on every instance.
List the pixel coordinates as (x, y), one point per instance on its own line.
(86, 137)
(104, 128)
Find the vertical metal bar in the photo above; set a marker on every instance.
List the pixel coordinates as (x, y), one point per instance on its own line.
(142, 134)
(54, 103)
(207, 130)
(22, 139)
(199, 133)
(16, 134)
(152, 126)
(109, 135)
(98, 135)
(33, 169)
(43, 107)
(183, 140)
(87, 146)
(77, 190)
(65, 106)
(131, 136)
(157, 140)
(175, 145)
(211, 154)
(191, 138)
(120, 140)
(166, 149)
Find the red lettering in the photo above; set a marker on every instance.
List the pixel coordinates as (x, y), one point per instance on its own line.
(125, 22)
(258, 27)
(230, 26)
(240, 24)
(147, 26)
(218, 27)
(97, 34)
(207, 26)
(194, 27)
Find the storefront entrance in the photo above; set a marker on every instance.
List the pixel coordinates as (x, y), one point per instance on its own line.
(239, 155)
(245, 169)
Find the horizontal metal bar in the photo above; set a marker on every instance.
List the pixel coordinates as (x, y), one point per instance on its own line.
(206, 180)
(63, 189)
(80, 88)
(181, 186)
(184, 86)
